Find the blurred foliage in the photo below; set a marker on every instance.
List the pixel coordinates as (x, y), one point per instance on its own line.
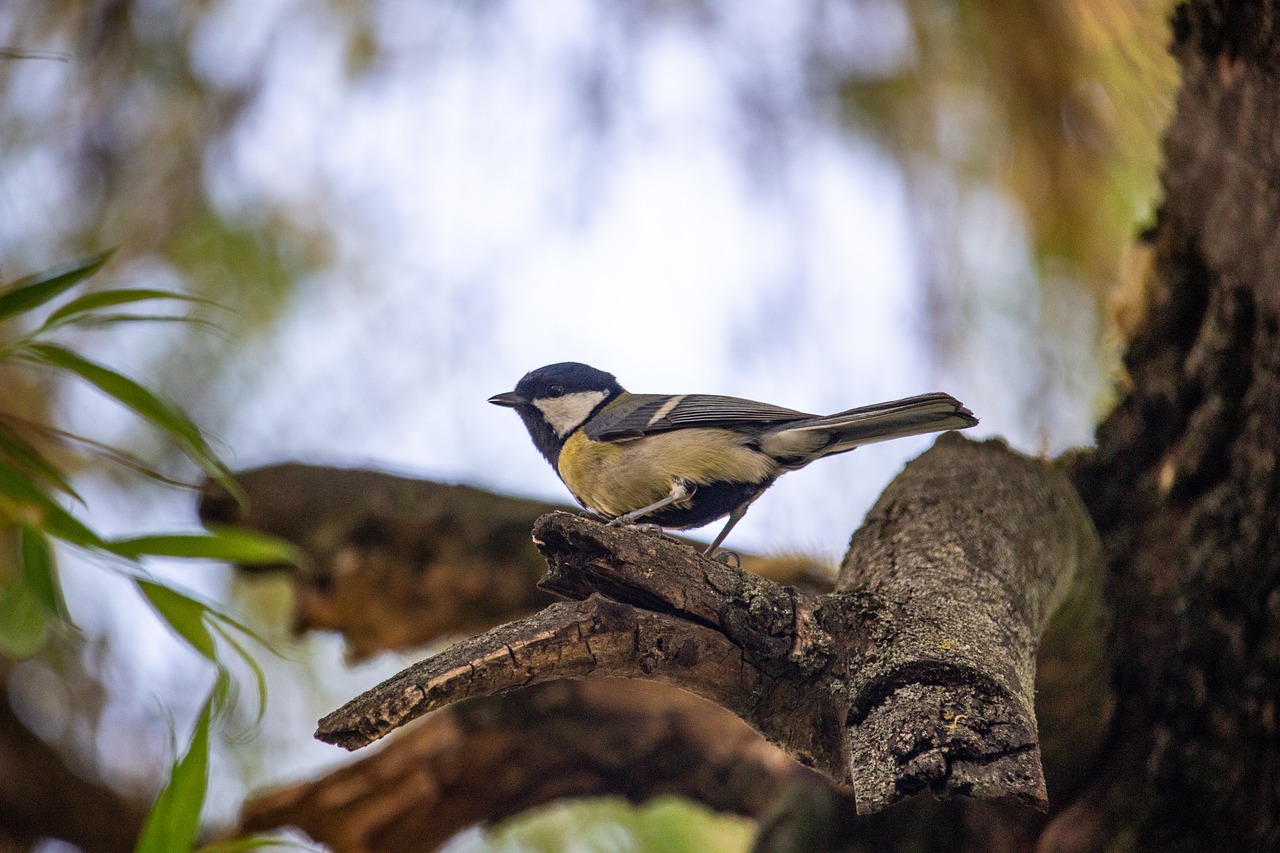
(130, 126)
(1059, 104)
(106, 132)
(33, 487)
(120, 111)
(612, 825)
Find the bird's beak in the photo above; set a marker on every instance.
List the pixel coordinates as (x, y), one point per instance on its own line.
(510, 399)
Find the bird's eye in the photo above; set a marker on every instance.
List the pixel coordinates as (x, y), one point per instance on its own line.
(555, 391)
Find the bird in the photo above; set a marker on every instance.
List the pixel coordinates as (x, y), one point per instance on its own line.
(680, 461)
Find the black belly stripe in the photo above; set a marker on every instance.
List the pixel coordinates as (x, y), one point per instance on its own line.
(708, 504)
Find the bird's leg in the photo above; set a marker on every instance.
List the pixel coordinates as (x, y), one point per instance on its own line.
(734, 517)
(679, 491)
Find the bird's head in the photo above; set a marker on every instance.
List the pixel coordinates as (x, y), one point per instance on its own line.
(555, 400)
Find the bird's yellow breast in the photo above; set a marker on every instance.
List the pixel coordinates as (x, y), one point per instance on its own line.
(617, 477)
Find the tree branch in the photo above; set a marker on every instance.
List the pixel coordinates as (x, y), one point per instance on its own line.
(396, 562)
(399, 562)
(485, 760)
(596, 637)
(836, 680)
(40, 796)
(971, 550)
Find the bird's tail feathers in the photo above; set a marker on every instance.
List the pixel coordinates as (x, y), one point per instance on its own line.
(846, 430)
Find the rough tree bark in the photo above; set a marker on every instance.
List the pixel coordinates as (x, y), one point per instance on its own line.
(917, 673)
(1185, 482)
(1001, 535)
(481, 761)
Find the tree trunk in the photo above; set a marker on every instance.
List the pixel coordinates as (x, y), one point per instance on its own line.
(1185, 482)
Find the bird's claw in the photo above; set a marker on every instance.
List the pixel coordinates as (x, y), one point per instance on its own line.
(642, 526)
(729, 558)
(648, 527)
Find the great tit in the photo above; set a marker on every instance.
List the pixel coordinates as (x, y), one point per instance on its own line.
(684, 460)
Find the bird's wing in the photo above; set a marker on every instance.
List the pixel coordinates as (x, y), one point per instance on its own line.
(650, 413)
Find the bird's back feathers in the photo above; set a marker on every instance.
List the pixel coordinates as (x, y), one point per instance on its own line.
(645, 414)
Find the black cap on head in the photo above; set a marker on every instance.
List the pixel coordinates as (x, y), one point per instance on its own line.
(566, 377)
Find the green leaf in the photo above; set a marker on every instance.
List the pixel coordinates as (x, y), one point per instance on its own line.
(27, 458)
(127, 391)
(23, 621)
(103, 320)
(23, 502)
(184, 615)
(90, 302)
(229, 544)
(174, 820)
(259, 677)
(41, 571)
(97, 448)
(192, 617)
(168, 418)
(35, 290)
(223, 689)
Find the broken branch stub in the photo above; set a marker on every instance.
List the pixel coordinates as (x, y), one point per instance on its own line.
(966, 555)
(915, 675)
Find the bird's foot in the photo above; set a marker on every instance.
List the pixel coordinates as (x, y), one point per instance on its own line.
(642, 526)
(729, 558)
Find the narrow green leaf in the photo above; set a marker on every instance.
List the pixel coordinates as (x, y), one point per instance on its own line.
(173, 823)
(25, 457)
(41, 571)
(23, 502)
(229, 544)
(91, 302)
(97, 448)
(103, 320)
(190, 607)
(184, 615)
(259, 677)
(168, 418)
(35, 290)
(23, 621)
(51, 55)
(224, 689)
(127, 391)
(221, 617)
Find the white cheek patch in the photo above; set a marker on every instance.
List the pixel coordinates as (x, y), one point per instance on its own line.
(565, 414)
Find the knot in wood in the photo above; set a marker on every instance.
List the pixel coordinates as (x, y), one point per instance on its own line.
(923, 771)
